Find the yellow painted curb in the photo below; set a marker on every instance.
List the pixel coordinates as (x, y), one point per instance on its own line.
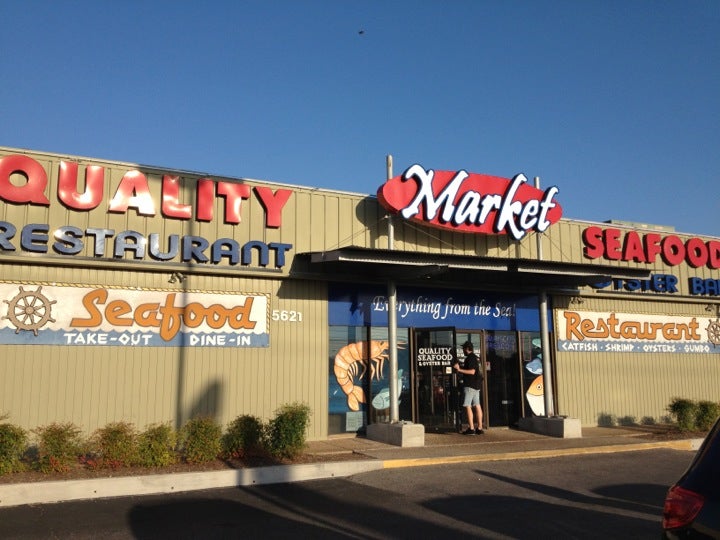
(534, 454)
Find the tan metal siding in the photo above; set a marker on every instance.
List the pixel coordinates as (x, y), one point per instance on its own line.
(95, 385)
(92, 385)
(313, 220)
(636, 385)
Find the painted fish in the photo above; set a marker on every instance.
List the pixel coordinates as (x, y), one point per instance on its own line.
(535, 366)
(536, 396)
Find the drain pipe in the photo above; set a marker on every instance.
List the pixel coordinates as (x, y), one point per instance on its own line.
(392, 319)
(544, 341)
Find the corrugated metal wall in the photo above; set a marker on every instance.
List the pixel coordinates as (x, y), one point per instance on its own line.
(94, 385)
(598, 386)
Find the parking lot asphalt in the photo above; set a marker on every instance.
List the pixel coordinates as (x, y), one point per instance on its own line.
(347, 455)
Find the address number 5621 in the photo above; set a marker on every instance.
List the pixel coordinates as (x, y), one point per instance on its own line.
(286, 315)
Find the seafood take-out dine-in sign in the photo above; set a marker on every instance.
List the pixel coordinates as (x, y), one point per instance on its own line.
(82, 316)
(471, 203)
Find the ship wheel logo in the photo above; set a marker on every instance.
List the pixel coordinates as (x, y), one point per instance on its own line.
(29, 310)
(713, 332)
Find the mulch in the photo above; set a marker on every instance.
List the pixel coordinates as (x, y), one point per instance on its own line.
(82, 472)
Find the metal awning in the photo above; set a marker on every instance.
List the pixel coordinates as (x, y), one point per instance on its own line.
(353, 263)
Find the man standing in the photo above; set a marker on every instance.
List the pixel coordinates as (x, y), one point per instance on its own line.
(472, 383)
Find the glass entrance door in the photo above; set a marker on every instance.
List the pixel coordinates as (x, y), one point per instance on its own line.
(436, 405)
(504, 397)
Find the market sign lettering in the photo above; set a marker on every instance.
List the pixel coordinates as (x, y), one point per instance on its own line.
(47, 315)
(133, 192)
(583, 331)
(615, 245)
(469, 202)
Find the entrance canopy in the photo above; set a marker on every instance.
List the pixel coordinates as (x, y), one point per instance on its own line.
(372, 265)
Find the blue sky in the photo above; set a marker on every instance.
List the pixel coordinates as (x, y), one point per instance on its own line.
(614, 102)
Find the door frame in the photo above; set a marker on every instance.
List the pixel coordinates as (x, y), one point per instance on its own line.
(479, 351)
(448, 383)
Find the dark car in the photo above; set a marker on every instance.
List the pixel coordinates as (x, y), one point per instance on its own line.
(692, 505)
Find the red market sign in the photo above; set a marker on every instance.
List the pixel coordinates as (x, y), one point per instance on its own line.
(469, 202)
(615, 245)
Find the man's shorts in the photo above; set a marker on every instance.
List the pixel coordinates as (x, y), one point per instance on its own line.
(471, 397)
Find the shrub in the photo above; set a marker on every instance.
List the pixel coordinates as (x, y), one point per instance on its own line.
(647, 421)
(59, 446)
(115, 445)
(156, 446)
(201, 440)
(13, 442)
(243, 435)
(285, 434)
(706, 415)
(684, 411)
(627, 421)
(606, 420)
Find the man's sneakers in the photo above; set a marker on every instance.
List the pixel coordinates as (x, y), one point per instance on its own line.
(479, 432)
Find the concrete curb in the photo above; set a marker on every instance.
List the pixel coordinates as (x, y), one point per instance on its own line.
(154, 484)
(123, 486)
(688, 445)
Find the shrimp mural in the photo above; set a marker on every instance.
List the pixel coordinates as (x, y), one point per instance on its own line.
(353, 361)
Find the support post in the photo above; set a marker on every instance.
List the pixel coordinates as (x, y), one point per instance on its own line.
(392, 320)
(547, 367)
(392, 356)
(544, 342)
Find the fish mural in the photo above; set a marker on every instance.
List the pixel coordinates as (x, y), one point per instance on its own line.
(535, 366)
(381, 400)
(536, 396)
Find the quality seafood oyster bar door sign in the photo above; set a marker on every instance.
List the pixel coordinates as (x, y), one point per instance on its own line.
(470, 203)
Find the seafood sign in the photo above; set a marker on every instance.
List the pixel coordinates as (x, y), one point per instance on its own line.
(435, 356)
(584, 331)
(34, 314)
(352, 362)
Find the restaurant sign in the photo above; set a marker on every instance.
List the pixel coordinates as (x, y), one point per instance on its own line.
(33, 314)
(585, 331)
(470, 203)
(89, 195)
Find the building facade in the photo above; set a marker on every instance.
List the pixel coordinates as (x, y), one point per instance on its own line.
(138, 294)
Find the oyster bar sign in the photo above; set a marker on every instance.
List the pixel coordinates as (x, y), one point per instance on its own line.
(471, 203)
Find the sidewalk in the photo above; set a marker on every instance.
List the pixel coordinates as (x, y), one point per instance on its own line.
(499, 443)
(347, 455)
